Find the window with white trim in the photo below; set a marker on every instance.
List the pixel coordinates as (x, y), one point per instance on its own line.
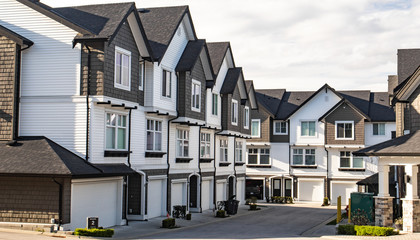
(379, 129)
(182, 142)
(166, 83)
(246, 117)
(238, 151)
(214, 109)
(280, 128)
(122, 70)
(205, 145)
(255, 128)
(154, 135)
(223, 150)
(348, 160)
(307, 128)
(303, 156)
(259, 156)
(344, 129)
(195, 95)
(116, 131)
(234, 112)
(142, 75)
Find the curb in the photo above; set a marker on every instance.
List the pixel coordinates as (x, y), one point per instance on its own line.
(309, 232)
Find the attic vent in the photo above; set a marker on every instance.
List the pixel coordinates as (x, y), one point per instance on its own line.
(143, 10)
(298, 99)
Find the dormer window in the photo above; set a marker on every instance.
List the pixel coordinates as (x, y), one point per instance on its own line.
(280, 128)
(122, 71)
(246, 117)
(166, 83)
(214, 108)
(234, 112)
(344, 130)
(195, 96)
(142, 75)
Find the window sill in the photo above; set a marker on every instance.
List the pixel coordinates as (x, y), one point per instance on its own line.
(304, 166)
(224, 164)
(206, 160)
(154, 154)
(239, 163)
(183, 160)
(122, 87)
(352, 169)
(258, 166)
(116, 153)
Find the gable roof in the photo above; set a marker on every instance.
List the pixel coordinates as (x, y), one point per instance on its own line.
(22, 41)
(341, 102)
(217, 51)
(231, 80)
(250, 90)
(41, 156)
(406, 145)
(270, 99)
(161, 24)
(190, 55)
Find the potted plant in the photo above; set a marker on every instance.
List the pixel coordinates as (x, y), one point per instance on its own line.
(398, 223)
(221, 213)
(168, 223)
(188, 216)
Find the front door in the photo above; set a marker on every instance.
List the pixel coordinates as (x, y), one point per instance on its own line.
(193, 191)
(231, 187)
(134, 194)
(276, 187)
(287, 187)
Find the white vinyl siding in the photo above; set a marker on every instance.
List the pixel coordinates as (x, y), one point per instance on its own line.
(122, 71)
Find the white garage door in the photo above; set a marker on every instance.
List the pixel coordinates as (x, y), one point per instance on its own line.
(221, 191)
(101, 199)
(311, 190)
(179, 194)
(155, 199)
(240, 193)
(343, 190)
(206, 195)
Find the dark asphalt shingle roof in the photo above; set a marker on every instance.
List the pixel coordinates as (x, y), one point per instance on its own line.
(406, 145)
(408, 62)
(231, 80)
(373, 179)
(102, 19)
(41, 156)
(217, 52)
(190, 55)
(160, 25)
(19, 39)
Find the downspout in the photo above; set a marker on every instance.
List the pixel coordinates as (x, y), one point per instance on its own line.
(87, 100)
(215, 168)
(234, 161)
(199, 167)
(129, 138)
(328, 169)
(60, 202)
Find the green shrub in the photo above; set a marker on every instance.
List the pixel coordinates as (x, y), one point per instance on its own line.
(168, 223)
(289, 200)
(94, 232)
(359, 217)
(346, 230)
(253, 207)
(374, 231)
(221, 213)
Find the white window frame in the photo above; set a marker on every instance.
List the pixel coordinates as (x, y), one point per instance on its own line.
(122, 51)
(304, 154)
(116, 127)
(259, 128)
(224, 150)
(142, 74)
(345, 137)
(234, 111)
(183, 142)
(168, 88)
(246, 117)
(351, 158)
(315, 132)
(194, 86)
(378, 124)
(154, 132)
(215, 104)
(280, 133)
(239, 156)
(206, 144)
(258, 154)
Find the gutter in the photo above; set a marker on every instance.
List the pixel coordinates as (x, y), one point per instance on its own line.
(215, 168)
(328, 169)
(199, 168)
(87, 99)
(234, 161)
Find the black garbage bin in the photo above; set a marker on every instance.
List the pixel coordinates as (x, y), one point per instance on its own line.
(231, 206)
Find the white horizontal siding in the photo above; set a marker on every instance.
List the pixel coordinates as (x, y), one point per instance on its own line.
(370, 164)
(370, 139)
(213, 120)
(193, 149)
(51, 66)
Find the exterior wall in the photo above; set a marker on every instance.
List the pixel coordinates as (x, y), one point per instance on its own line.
(97, 62)
(213, 120)
(320, 163)
(370, 165)
(399, 118)
(412, 112)
(279, 137)
(8, 87)
(193, 150)
(371, 139)
(227, 112)
(33, 199)
(345, 113)
(264, 125)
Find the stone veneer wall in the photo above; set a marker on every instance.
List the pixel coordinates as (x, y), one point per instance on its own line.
(411, 215)
(383, 211)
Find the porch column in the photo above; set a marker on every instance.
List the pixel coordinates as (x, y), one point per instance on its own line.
(411, 202)
(383, 202)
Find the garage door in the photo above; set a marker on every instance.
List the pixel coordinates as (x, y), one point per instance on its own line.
(311, 190)
(179, 194)
(240, 193)
(155, 199)
(206, 195)
(101, 199)
(343, 190)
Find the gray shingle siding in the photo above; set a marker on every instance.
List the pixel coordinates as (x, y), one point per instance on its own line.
(97, 59)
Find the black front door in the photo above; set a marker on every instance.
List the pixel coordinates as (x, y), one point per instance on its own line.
(231, 185)
(134, 194)
(287, 187)
(276, 187)
(193, 191)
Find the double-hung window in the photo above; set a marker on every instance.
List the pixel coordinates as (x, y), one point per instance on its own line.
(303, 156)
(122, 70)
(259, 156)
(182, 142)
(166, 83)
(246, 117)
(255, 128)
(142, 75)
(238, 151)
(307, 128)
(234, 112)
(344, 129)
(214, 104)
(379, 129)
(223, 150)
(116, 131)
(195, 96)
(280, 128)
(154, 135)
(347, 160)
(205, 145)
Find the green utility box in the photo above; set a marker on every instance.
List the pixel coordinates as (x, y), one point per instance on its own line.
(363, 203)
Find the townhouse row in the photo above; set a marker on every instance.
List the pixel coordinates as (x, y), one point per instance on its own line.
(116, 112)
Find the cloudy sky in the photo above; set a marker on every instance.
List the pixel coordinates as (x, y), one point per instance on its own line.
(302, 44)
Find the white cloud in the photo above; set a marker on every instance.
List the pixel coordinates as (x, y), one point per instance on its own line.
(302, 44)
